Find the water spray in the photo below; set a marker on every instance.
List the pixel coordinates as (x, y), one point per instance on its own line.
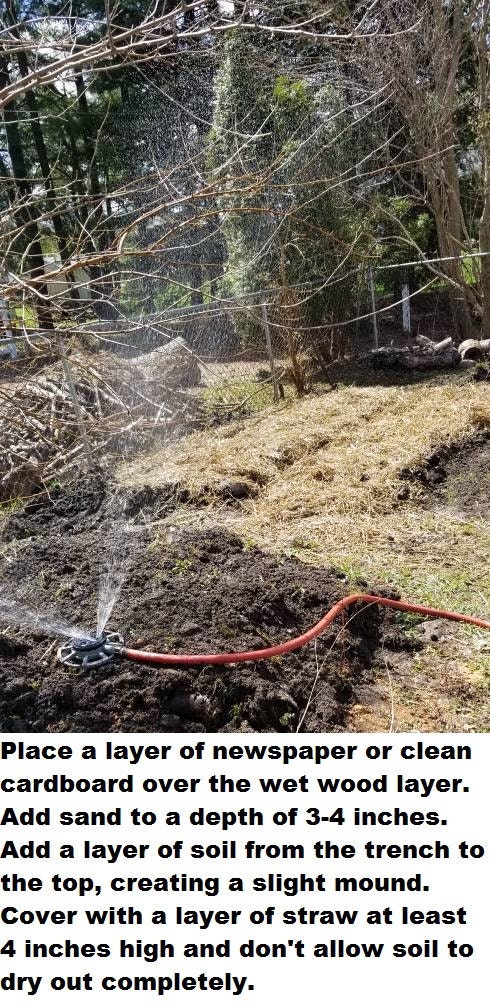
(88, 653)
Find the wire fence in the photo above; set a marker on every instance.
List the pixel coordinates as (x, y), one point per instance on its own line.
(231, 336)
(101, 389)
(277, 333)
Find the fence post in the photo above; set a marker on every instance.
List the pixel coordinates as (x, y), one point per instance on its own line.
(268, 343)
(357, 328)
(406, 319)
(373, 308)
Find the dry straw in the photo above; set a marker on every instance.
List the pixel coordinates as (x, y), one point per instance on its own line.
(326, 473)
(326, 469)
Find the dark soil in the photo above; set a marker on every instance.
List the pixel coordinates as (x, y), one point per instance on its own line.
(456, 477)
(186, 591)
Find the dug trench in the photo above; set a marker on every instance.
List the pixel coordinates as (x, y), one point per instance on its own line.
(455, 477)
(184, 591)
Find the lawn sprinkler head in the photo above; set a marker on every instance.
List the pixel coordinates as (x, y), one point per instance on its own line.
(90, 652)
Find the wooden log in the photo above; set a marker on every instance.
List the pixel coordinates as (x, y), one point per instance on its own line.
(424, 341)
(472, 349)
(429, 346)
(406, 359)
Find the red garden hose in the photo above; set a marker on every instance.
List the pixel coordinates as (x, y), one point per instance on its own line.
(297, 642)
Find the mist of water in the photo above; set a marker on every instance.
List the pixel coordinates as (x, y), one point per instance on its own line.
(110, 585)
(114, 574)
(21, 615)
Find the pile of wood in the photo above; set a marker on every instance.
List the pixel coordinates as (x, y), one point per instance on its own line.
(424, 355)
(86, 408)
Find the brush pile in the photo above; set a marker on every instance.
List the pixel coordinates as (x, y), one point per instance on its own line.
(425, 355)
(122, 406)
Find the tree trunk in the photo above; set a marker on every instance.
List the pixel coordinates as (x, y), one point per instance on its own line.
(45, 167)
(484, 109)
(449, 240)
(100, 287)
(196, 282)
(23, 210)
(87, 136)
(484, 234)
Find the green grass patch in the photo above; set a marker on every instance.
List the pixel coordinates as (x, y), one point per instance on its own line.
(8, 507)
(249, 396)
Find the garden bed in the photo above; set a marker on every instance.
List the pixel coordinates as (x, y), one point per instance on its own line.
(186, 591)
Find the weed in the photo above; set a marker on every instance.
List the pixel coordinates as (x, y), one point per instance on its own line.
(480, 668)
(226, 632)
(182, 566)
(237, 398)
(303, 543)
(407, 621)
(8, 507)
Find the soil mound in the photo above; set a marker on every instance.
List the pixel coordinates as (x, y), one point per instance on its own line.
(187, 591)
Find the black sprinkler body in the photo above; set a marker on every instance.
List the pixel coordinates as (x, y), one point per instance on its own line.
(90, 653)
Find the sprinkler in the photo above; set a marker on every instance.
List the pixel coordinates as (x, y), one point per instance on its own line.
(90, 652)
